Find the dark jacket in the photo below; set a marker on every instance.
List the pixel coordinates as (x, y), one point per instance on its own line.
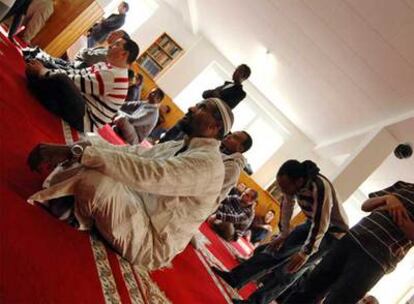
(100, 31)
(229, 92)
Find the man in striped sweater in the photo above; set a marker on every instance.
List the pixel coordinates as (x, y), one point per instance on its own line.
(85, 98)
(288, 256)
(372, 248)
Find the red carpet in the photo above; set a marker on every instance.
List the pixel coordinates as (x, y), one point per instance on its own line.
(44, 260)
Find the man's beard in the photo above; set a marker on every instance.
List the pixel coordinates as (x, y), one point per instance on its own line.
(186, 125)
(224, 150)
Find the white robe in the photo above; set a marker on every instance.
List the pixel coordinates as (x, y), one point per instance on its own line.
(147, 203)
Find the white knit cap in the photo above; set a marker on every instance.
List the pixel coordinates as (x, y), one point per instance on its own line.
(226, 114)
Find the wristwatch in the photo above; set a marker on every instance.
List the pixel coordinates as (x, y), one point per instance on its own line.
(76, 151)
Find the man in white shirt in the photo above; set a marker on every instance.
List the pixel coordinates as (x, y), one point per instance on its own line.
(137, 119)
(147, 203)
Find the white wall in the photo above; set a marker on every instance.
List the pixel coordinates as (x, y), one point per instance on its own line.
(199, 53)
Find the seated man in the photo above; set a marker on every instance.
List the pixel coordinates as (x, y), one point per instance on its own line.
(147, 203)
(372, 248)
(135, 86)
(157, 132)
(261, 227)
(137, 118)
(232, 146)
(234, 216)
(238, 190)
(87, 98)
(86, 57)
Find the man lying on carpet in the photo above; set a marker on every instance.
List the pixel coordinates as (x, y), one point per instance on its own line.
(85, 58)
(147, 203)
(85, 98)
(137, 119)
(234, 216)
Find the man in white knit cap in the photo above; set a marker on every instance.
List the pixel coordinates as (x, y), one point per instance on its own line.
(146, 203)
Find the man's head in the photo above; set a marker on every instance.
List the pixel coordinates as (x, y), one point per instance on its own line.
(165, 109)
(210, 118)
(293, 175)
(368, 299)
(241, 73)
(239, 141)
(122, 52)
(248, 197)
(115, 35)
(269, 216)
(155, 96)
(123, 8)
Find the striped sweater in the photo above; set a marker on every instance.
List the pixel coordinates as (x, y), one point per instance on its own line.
(379, 236)
(319, 203)
(104, 89)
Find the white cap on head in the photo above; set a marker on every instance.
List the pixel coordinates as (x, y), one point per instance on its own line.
(226, 114)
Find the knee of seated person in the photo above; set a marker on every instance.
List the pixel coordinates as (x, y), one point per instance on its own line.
(228, 231)
(93, 183)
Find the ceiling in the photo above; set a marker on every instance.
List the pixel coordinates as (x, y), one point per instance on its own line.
(333, 67)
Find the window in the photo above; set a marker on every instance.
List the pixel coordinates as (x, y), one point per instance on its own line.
(139, 12)
(249, 116)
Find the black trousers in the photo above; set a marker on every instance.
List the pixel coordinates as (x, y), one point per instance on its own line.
(344, 276)
(278, 280)
(60, 96)
(263, 263)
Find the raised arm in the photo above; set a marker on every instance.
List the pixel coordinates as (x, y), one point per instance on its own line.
(373, 203)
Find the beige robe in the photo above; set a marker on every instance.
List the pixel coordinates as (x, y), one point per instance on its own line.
(233, 166)
(147, 203)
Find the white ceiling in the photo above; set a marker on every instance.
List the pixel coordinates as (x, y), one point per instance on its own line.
(335, 67)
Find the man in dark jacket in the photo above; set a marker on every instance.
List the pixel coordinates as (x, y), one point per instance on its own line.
(231, 92)
(100, 31)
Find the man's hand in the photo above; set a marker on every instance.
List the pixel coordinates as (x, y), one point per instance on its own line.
(407, 226)
(35, 67)
(296, 262)
(396, 209)
(211, 219)
(276, 243)
(48, 154)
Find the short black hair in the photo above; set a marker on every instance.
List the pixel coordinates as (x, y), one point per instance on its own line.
(125, 35)
(126, 5)
(160, 93)
(295, 169)
(255, 193)
(132, 48)
(248, 143)
(131, 74)
(246, 70)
